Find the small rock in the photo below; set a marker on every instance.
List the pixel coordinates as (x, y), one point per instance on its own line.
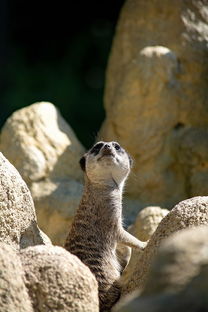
(147, 222)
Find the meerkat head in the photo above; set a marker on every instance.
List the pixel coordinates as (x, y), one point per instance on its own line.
(106, 163)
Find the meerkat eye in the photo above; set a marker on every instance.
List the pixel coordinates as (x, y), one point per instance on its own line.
(117, 146)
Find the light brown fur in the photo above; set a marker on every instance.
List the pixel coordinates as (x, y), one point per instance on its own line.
(97, 226)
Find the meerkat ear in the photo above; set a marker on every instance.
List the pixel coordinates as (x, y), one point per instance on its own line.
(130, 161)
(82, 162)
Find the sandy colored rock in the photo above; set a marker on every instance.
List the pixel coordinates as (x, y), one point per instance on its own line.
(192, 299)
(155, 89)
(179, 259)
(18, 224)
(147, 222)
(58, 281)
(188, 213)
(13, 293)
(55, 202)
(178, 277)
(43, 147)
(39, 143)
(144, 226)
(193, 141)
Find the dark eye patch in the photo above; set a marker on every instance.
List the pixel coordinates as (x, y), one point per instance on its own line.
(117, 147)
(95, 150)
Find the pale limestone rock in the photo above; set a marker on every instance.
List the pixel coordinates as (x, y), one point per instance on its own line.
(45, 150)
(178, 277)
(193, 141)
(55, 202)
(147, 222)
(144, 226)
(180, 258)
(192, 299)
(39, 143)
(156, 88)
(18, 224)
(13, 293)
(58, 281)
(188, 213)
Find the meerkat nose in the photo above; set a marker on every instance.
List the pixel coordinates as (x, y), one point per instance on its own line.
(107, 150)
(107, 146)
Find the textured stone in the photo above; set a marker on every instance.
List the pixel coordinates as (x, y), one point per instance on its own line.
(58, 281)
(179, 259)
(13, 293)
(178, 277)
(192, 299)
(39, 143)
(143, 228)
(156, 89)
(188, 213)
(192, 147)
(55, 203)
(45, 150)
(18, 224)
(147, 222)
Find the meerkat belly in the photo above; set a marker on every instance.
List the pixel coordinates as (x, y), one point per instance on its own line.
(103, 263)
(101, 260)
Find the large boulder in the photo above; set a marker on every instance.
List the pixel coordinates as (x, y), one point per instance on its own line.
(178, 277)
(18, 223)
(13, 293)
(39, 143)
(180, 258)
(156, 93)
(58, 281)
(43, 147)
(188, 213)
(55, 202)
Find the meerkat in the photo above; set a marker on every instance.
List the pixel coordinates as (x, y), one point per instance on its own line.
(97, 226)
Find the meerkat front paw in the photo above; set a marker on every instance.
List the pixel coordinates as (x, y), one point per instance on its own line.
(127, 239)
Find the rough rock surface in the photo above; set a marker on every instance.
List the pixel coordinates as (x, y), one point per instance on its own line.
(55, 203)
(46, 152)
(178, 277)
(179, 259)
(18, 224)
(188, 213)
(192, 299)
(58, 281)
(13, 293)
(144, 226)
(156, 90)
(38, 142)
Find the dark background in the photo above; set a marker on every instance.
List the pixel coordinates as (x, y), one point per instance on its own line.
(57, 52)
